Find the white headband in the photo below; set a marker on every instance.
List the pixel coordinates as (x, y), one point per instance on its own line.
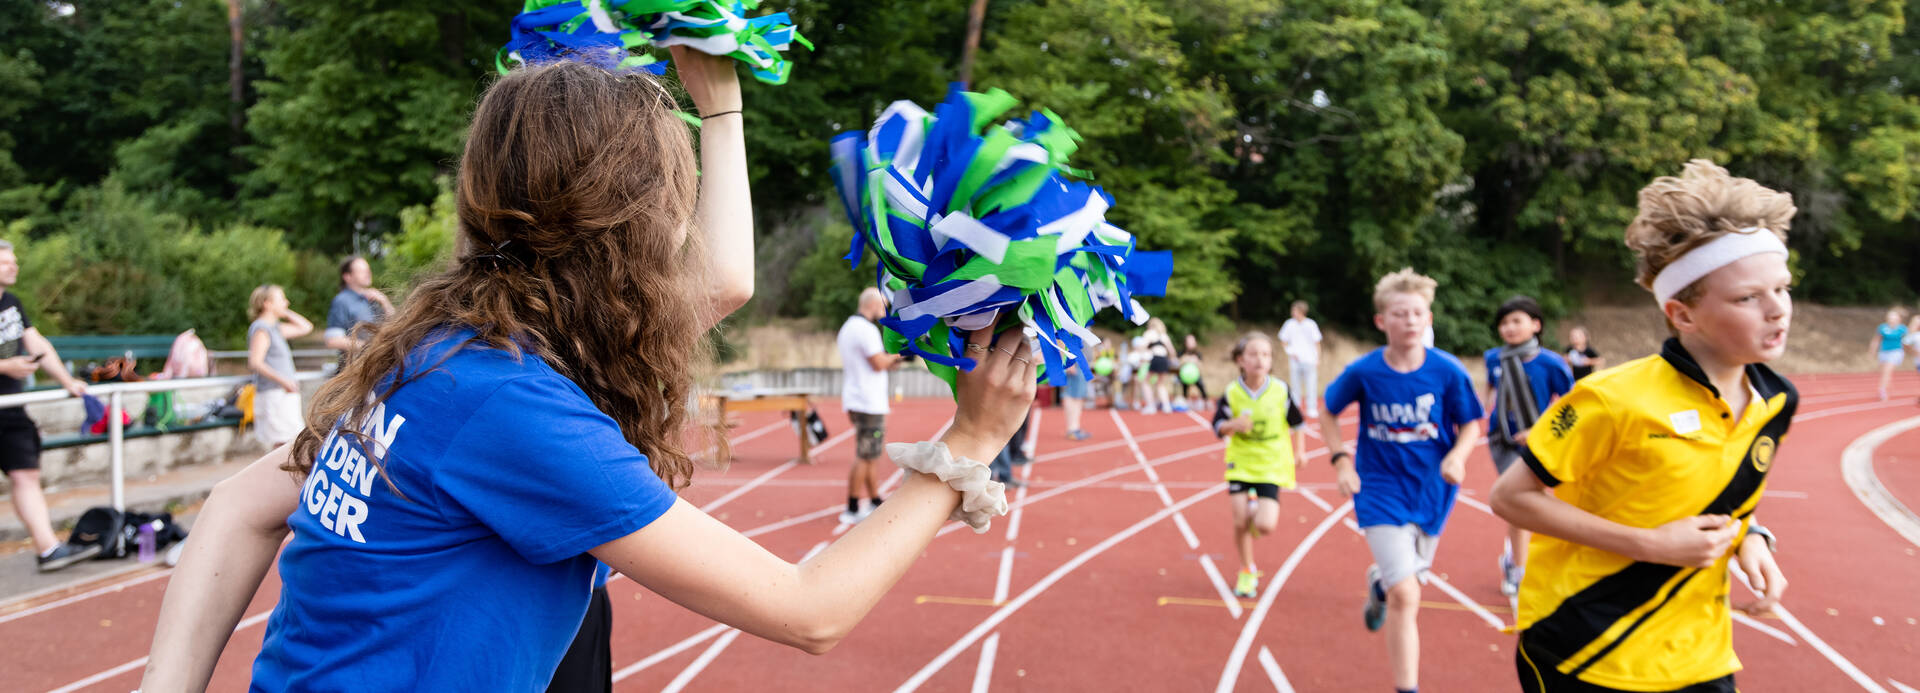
(1713, 255)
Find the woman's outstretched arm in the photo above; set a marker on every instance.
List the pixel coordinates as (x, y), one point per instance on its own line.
(704, 565)
(233, 543)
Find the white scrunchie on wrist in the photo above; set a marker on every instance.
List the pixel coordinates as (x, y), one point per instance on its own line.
(981, 498)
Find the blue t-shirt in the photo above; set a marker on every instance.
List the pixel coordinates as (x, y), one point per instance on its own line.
(478, 578)
(1548, 373)
(1408, 424)
(1890, 336)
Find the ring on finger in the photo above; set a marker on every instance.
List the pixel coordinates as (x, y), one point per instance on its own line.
(976, 348)
(1016, 358)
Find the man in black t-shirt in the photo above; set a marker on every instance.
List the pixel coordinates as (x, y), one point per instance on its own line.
(23, 351)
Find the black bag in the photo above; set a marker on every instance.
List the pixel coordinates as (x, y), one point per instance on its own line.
(816, 429)
(117, 533)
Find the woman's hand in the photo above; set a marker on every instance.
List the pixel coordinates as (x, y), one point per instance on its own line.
(994, 396)
(710, 80)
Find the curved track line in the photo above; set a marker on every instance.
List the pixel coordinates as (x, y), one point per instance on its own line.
(1231, 673)
(1856, 465)
(1000, 615)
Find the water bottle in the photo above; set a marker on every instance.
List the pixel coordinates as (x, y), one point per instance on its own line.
(146, 541)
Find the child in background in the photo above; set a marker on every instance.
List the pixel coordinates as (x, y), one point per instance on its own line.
(1887, 341)
(1196, 391)
(1260, 422)
(1522, 380)
(1640, 485)
(1419, 419)
(1581, 356)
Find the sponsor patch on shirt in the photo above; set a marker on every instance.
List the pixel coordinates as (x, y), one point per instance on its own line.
(1685, 422)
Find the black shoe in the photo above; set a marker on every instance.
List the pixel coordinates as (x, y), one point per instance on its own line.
(66, 555)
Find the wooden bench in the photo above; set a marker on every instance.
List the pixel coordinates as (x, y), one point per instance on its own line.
(740, 401)
(75, 348)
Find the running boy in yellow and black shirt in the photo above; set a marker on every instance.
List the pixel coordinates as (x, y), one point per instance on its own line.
(1641, 483)
(1259, 415)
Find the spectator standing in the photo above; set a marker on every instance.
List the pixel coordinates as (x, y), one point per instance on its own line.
(1301, 337)
(356, 309)
(863, 392)
(22, 351)
(276, 395)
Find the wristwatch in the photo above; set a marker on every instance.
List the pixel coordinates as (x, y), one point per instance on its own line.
(1754, 529)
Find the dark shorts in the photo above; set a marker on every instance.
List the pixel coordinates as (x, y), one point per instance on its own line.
(588, 665)
(1160, 364)
(1268, 491)
(869, 434)
(1502, 452)
(1539, 674)
(19, 441)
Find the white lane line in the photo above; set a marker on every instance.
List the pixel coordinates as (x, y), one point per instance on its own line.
(1836, 411)
(700, 663)
(1839, 661)
(1279, 680)
(1903, 688)
(1000, 615)
(1159, 489)
(1109, 445)
(983, 674)
(763, 430)
(669, 652)
(1856, 466)
(1220, 585)
(771, 473)
(1464, 600)
(1231, 673)
(1765, 629)
(248, 622)
(1002, 582)
(116, 587)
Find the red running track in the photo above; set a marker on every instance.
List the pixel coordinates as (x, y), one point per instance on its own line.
(1101, 580)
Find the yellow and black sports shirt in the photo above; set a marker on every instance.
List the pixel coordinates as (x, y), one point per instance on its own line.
(1645, 444)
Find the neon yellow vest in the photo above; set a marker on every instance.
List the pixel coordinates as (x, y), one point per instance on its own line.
(1263, 455)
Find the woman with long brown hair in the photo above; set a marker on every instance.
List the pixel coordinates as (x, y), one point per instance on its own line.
(520, 418)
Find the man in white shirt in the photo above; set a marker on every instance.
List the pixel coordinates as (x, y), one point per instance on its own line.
(863, 392)
(1301, 335)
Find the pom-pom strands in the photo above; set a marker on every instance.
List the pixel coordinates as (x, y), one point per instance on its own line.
(972, 219)
(604, 31)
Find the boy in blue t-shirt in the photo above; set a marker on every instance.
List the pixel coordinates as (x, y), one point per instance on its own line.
(1522, 379)
(1418, 421)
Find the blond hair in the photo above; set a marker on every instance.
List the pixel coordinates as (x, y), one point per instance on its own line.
(1678, 214)
(257, 303)
(1405, 281)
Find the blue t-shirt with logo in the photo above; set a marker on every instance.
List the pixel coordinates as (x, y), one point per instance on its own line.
(1547, 373)
(1408, 423)
(1890, 336)
(478, 577)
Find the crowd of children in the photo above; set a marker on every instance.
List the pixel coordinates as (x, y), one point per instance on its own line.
(1639, 483)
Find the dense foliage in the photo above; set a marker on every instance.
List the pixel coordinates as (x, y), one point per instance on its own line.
(1282, 149)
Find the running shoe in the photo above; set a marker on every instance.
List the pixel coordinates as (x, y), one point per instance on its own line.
(1180, 407)
(1078, 434)
(1376, 613)
(1247, 586)
(851, 518)
(65, 555)
(1509, 574)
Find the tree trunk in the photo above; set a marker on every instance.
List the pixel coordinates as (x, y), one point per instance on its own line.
(236, 79)
(976, 16)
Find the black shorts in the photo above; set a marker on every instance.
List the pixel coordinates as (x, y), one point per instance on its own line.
(588, 664)
(1268, 491)
(869, 434)
(1539, 673)
(19, 441)
(1160, 364)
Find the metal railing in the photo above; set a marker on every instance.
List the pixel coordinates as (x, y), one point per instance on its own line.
(115, 394)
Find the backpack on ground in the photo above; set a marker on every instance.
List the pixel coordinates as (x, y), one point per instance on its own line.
(118, 534)
(816, 429)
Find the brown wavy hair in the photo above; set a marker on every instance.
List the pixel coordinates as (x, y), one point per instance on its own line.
(1678, 214)
(576, 200)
